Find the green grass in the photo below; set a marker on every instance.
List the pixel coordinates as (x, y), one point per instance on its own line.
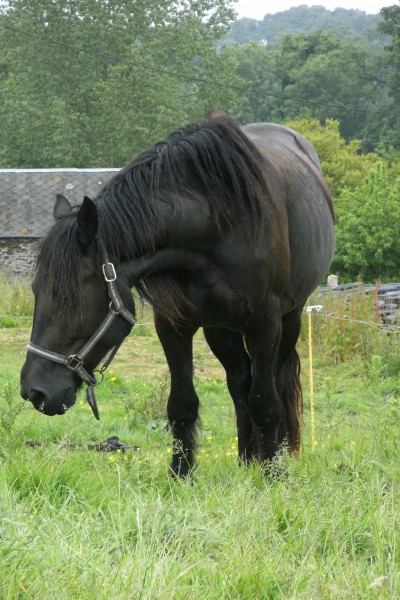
(75, 524)
(16, 304)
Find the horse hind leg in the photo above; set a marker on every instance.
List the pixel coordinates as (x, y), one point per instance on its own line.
(263, 333)
(275, 400)
(288, 381)
(183, 402)
(228, 347)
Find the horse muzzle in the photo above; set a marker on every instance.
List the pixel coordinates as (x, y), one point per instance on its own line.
(50, 405)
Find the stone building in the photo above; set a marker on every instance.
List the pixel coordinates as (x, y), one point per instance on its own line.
(27, 199)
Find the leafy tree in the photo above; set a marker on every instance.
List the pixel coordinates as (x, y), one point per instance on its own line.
(256, 64)
(385, 127)
(92, 82)
(333, 78)
(328, 74)
(368, 230)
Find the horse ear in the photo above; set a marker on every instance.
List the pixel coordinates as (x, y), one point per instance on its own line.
(61, 207)
(87, 220)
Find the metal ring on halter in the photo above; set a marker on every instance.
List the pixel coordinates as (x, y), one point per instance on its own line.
(112, 308)
(101, 376)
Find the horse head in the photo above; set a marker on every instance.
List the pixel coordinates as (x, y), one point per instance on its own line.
(74, 325)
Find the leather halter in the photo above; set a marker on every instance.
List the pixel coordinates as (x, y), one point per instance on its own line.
(75, 362)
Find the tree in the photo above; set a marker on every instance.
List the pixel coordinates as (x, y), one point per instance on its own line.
(329, 75)
(256, 65)
(92, 82)
(385, 127)
(368, 230)
(343, 166)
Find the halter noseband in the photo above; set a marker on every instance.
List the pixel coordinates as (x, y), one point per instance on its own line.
(74, 362)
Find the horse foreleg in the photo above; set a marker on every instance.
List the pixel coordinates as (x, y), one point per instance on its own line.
(229, 348)
(183, 402)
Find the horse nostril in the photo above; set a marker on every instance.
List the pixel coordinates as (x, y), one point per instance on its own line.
(38, 399)
(56, 404)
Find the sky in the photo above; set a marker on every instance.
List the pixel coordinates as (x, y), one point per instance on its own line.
(256, 9)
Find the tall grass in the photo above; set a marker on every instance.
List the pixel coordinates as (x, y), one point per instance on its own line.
(348, 326)
(77, 524)
(16, 302)
(80, 525)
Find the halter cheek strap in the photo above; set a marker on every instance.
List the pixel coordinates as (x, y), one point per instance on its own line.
(75, 362)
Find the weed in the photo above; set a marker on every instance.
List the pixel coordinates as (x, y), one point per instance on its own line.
(9, 408)
(9, 411)
(149, 408)
(142, 330)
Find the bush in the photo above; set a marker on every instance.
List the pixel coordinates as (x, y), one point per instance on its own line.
(368, 230)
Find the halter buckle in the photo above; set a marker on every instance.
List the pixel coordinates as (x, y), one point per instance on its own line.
(109, 272)
(74, 362)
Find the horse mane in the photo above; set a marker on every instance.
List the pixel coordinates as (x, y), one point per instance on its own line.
(212, 159)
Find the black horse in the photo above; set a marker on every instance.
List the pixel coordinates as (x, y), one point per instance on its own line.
(219, 227)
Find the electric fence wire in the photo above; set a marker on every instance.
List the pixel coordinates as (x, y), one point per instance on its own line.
(383, 327)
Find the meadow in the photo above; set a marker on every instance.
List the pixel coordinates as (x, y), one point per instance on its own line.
(79, 524)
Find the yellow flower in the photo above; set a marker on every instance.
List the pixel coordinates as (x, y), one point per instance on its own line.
(113, 379)
(111, 458)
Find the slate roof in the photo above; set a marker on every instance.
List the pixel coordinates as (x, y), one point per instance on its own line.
(27, 196)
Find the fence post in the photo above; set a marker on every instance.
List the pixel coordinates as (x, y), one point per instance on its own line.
(309, 311)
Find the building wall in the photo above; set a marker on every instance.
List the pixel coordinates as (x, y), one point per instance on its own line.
(17, 257)
(27, 199)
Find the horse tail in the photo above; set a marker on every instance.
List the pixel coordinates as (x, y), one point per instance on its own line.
(289, 388)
